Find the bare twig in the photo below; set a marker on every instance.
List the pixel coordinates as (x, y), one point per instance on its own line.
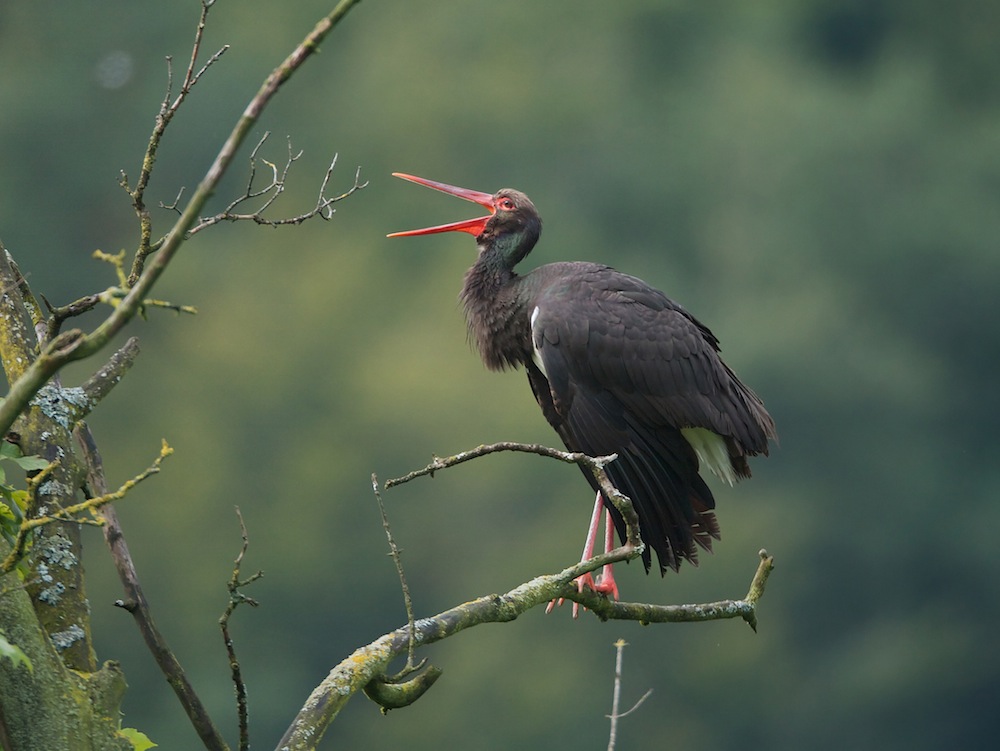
(594, 464)
(271, 192)
(190, 77)
(166, 113)
(237, 598)
(616, 696)
(394, 552)
(413, 680)
(440, 463)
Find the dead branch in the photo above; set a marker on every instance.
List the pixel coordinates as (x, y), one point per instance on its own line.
(165, 114)
(407, 601)
(595, 465)
(268, 194)
(136, 604)
(615, 715)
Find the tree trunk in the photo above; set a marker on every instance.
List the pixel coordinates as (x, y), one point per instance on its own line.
(63, 701)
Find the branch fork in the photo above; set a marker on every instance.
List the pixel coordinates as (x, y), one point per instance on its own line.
(366, 669)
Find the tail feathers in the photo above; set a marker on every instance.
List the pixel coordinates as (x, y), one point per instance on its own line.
(674, 505)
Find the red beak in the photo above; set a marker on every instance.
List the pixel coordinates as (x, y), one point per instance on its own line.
(472, 226)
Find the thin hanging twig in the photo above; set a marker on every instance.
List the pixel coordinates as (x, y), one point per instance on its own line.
(407, 602)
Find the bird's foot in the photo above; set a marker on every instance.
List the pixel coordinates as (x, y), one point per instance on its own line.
(604, 584)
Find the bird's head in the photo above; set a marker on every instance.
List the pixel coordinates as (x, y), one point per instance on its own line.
(511, 228)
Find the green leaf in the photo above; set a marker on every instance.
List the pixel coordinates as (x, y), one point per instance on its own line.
(30, 463)
(139, 740)
(13, 453)
(20, 499)
(14, 654)
(12, 511)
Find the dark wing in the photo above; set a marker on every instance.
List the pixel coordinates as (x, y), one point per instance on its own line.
(620, 368)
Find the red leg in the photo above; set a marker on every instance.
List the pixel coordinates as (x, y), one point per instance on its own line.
(606, 582)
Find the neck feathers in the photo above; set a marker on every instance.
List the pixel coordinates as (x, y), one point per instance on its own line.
(498, 323)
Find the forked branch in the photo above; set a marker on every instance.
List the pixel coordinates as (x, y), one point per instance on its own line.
(371, 662)
(239, 210)
(366, 669)
(595, 465)
(168, 108)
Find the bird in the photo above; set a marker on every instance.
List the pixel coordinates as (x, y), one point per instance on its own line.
(617, 367)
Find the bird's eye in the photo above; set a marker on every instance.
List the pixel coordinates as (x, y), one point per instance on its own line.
(506, 204)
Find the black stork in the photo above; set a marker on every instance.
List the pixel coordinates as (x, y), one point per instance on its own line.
(617, 367)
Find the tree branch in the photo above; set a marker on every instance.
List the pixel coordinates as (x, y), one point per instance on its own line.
(394, 553)
(271, 192)
(237, 598)
(616, 715)
(75, 344)
(367, 667)
(745, 608)
(30, 367)
(166, 113)
(135, 601)
(72, 513)
(633, 542)
(372, 661)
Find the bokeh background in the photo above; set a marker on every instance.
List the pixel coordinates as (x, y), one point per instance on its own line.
(818, 181)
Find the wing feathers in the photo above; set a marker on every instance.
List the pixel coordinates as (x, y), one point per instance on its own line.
(628, 371)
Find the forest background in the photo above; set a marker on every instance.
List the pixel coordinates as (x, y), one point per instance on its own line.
(818, 181)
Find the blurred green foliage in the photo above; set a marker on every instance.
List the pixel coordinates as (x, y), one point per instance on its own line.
(818, 181)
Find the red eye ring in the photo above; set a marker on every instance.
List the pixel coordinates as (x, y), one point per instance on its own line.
(506, 204)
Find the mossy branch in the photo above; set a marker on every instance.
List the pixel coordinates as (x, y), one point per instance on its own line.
(371, 662)
(367, 668)
(73, 513)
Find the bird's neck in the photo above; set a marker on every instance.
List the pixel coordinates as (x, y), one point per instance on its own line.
(495, 310)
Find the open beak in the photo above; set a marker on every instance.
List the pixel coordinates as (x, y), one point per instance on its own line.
(472, 226)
